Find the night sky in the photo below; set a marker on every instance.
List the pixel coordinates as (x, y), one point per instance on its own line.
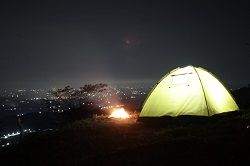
(45, 44)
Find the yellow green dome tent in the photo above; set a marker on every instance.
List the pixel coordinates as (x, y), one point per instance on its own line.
(188, 91)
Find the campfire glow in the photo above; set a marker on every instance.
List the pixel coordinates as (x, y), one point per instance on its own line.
(119, 113)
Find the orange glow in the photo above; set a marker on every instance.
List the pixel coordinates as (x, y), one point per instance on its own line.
(119, 113)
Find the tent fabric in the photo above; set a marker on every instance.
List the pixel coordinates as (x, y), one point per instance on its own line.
(188, 91)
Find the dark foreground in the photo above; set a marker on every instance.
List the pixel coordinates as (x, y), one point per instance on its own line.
(222, 140)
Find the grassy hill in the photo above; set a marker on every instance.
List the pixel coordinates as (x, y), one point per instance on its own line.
(219, 140)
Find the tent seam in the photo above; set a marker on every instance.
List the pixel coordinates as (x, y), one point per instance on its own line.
(202, 90)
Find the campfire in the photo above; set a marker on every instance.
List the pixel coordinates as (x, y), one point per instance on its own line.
(119, 113)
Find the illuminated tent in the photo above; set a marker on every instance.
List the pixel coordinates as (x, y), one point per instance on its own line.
(188, 91)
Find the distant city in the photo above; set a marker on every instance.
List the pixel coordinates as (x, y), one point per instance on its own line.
(36, 116)
(21, 101)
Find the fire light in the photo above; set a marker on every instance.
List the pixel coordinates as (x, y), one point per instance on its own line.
(119, 113)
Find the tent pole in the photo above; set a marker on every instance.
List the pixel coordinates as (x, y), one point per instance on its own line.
(202, 90)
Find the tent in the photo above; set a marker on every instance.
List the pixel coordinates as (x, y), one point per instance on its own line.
(188, 91)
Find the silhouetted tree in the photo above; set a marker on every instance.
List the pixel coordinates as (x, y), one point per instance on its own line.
(67, 95)
(77, 98)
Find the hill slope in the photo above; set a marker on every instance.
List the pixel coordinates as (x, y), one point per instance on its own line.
(219, 140)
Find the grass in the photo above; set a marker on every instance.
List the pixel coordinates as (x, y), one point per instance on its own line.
(106, 141)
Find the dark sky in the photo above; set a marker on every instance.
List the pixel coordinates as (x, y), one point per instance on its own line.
(46, 44)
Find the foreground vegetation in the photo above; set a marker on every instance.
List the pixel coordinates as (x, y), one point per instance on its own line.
(223, 139)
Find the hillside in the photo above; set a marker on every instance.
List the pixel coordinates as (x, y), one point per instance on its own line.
(103, 141)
